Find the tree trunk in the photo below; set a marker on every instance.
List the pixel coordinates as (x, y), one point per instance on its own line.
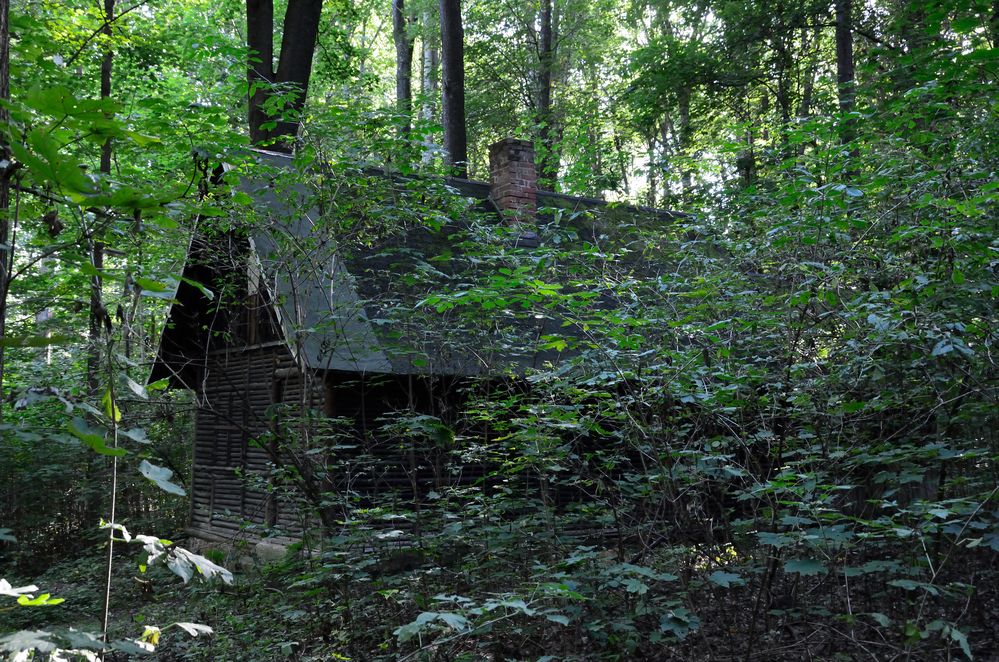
(453, 84)
(683, 139)
(97, 309)
(6, 172)
(653, 176)
(278, 127)
(844, 65)
(403, 65)
(994, 24)
(548, 169)
(431, 62)
(808, 85)
(844, 54)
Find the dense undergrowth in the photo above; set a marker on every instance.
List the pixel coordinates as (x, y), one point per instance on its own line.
(778, 443)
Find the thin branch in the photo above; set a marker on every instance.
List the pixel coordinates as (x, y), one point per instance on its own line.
(107, 23)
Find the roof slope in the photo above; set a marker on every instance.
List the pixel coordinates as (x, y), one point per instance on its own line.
(360, 286)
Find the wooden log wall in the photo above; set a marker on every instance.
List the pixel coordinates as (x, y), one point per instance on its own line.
(231, 470)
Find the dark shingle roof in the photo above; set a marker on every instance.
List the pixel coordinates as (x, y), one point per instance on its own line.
(358, 301)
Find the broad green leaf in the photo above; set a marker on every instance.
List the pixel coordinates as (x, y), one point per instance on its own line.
(726, 579)
(43, 600)
(205, 568)
(194, 629)
(773, 539)
(110, 406)
(152, 285)
(805, 567)
(961, 639)
(561, 619)
(161, 476)
(881, 619)
(136, 388)
(204, 290)
(136, 434)
(79, 429)
(28, 640)
(966, 24)
(912, 585)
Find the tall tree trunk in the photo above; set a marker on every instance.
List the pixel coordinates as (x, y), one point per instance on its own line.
(653, 176)
(844, 65)
(994, 24)
(548, 170)
(403, 64)
(683, 139)
(6, 172)
(453, 85)
(431, 62)
(808, 85)
(294, 67)
(97, 309)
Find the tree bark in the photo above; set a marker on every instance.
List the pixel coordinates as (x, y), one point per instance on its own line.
(279, 126)
(548, 169)
(431, 62)
(403, 65)
(6, 172)
(97, 310)
(453, 87)
(844, 53)
(653, 175)
(844, 59)
(683, 140)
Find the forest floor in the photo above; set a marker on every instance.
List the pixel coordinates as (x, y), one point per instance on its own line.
(271, 612)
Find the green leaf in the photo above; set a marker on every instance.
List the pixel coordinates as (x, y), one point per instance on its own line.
(881, 619)
(726, 579)
(152, 285)
(158, 385)
(43, 600)
(161, 476)
(194, 629)
(561, 619)
(966, 24)
(773, 539)
(911, 585)
(961, 639)
(805, 567)
(137, 388)
(28, 640)
(110, 407)
(201, 288)
(679, 622)
(136, 434)
(79, 429)
(141, 139)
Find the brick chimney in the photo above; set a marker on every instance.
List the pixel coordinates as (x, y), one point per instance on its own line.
(513, 179)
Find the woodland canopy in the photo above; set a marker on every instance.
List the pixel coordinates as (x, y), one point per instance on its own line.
(772, 431)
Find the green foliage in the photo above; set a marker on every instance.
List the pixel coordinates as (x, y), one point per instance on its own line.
(775, 416)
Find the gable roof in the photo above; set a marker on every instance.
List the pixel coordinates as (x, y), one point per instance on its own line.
(367, 303)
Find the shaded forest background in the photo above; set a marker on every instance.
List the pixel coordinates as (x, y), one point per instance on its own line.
(787, 437)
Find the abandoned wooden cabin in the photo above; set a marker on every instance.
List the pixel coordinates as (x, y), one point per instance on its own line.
(302, 318)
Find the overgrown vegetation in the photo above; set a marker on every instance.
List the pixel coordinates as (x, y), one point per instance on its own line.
(771, 429)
